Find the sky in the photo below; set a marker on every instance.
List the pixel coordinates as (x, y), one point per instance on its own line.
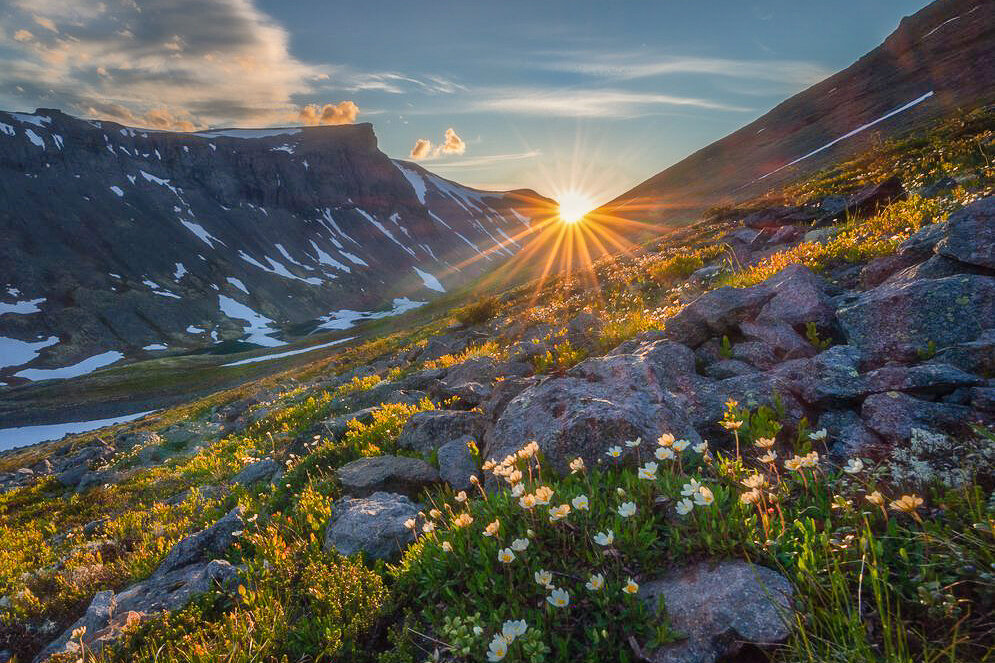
(547, 94)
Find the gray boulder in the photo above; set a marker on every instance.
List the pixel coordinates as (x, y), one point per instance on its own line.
(601, 402)
(457, 464)
(728, 368)
(977, 356)
(261, 470)
(720, 607)
(971, 234)
(392, 474)
(893, 415)
(373, 525)
(894, 321)
(715, 313)
(846, 433)
(427, 431)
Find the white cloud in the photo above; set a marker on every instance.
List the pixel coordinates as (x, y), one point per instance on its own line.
(451, 144)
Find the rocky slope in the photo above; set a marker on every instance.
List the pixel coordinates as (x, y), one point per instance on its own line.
(121, 242)
(936, 61)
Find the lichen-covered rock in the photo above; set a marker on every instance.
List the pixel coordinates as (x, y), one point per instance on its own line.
(373, 525)
(900, 320)
(720, 607)
(971, 234)
(392, 474)
(427, 431)
(457, 464)
(893, 415)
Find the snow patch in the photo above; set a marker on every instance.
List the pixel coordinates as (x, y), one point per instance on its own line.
(14, 352)
(199, 231)
(180, 271)
(326, 259)
(430, 281)
(117, 191)
(346, 318)
(35, 138)
(29, 306)
(11, 438)
(415, 179)
(238, 284)
(289, 353)
(257, 328)
(84, 367)
(155, 346)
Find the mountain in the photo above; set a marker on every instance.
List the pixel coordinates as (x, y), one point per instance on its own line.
(123, 242)
(936, 61)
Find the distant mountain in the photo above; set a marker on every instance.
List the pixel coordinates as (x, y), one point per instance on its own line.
(122, 242)
(938, 60)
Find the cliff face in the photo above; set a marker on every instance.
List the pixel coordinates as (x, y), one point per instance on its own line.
(121, 241)
(936, 61)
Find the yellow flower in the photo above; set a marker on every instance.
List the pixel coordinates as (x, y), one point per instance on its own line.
(875, 498)
(665, 440)
(596, 582)
(527, 502)
(907, 504)
(558, 512)
(750, 497)
(506, 556)
(543, 578)
(543, 494)
(631, 586)
(768, 457)
(664, 453)
(428, 527)
(730, 404)
(492, 528)
(410, 523)
(704, 497)
(435, 513)
(577, 465)
(461, 496)
(558, 598)
(731, 424)
(754, 481)
(513, 477)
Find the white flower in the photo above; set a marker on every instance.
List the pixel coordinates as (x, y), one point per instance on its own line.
(558, 512)
(428, 527)
(512, 629)
(604, 538)
(704, 497)
(818, 435)
(648, 471)
(854, 466)
(664, 453)
(518, 490)
(614, 452)
(506, 556)
(596, 582)
(581, 503)
(498, 649)
(634, 443)
(701, 447)
(681, 445)
(518, 545)
(685, 506)
(492, 528)
(461, 496)
(665, 440)
(558, 598)
(527, 502)
(577, 465)
(448, 547)
(690, 488)
(410, 523)
(627, 509)
(630, 587)
(544, 578)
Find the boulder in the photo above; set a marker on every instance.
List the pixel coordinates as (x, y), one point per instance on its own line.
(935, 267)
(457, 464)
(977, 356)
(483, 370)
(799, 297)
(893, 415)
(427, 431)
(392, 474)
(213, 541)
(785, 235)
(873, 197)
(847, 435)
(899, 320)
(728, 368)
(755, 353)
(923, 243)
(373, 525)
(601, 402)
(583, 330)
(781, 337)
(715, 313)
(775, 217)
(719, 608)
(741, 235)
(971, 235)
(502, 393)
(261, 470)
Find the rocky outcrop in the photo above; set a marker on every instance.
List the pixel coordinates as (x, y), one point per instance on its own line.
(719, 607)
(374, 525)
(427, 431)
(392, 474)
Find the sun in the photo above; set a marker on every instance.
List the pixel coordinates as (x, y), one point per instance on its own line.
(574, 205)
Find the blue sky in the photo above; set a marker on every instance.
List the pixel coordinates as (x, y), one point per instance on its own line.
(546, 94)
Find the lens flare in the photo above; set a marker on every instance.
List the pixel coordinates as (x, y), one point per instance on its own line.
(574, 205)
